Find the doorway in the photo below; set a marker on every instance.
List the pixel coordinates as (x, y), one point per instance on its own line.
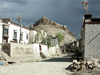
(5, 39)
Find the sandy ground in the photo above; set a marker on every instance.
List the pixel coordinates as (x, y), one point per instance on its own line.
(52, 66)
(84, 72)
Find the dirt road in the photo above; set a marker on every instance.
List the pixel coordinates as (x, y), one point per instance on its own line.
(53, 66)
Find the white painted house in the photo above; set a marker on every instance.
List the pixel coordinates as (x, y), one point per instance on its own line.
(90, 41)
(36, 35)
(14, 32)
(11, 32)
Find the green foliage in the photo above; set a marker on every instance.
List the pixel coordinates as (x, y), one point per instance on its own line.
(37, 37)
(44, 40)
(49, 41)
(60, 37)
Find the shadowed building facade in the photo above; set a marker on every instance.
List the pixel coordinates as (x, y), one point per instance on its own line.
(90, 37)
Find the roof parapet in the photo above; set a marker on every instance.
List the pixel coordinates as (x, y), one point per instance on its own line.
(88, 16)
(5, 19)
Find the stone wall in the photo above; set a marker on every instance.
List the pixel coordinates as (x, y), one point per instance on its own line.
(1, 32)
(45, 50)
(29, 51)
(0, 50)
(21, 51)
(53, 51)
(6, 48)
(92, 41)
(36, 51)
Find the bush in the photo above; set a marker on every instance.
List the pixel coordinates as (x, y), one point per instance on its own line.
(60, 37)
(49, 41)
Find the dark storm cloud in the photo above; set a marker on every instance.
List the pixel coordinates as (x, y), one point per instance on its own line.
(16, 1)
(65, 12)
(56, 3)
(94, 6)
(94, 2)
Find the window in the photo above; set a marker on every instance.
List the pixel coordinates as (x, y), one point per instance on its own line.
(27, 36)
(21, 37)
(15, 34)
(5, 31)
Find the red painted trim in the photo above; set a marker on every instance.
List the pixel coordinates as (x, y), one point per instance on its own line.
(32, 29)
(92, 22)
(19, 26)
(88, 18)
(13, 24)
(4, 23)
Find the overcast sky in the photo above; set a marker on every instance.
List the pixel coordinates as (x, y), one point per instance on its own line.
(64, 12)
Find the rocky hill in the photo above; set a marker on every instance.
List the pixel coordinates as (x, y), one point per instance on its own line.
(54, 28)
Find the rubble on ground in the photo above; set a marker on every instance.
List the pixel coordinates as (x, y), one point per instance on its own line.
(83, 65)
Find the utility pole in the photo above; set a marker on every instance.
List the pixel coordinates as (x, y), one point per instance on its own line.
(19, 18)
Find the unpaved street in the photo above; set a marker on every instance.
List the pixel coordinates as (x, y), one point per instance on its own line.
(53, 66)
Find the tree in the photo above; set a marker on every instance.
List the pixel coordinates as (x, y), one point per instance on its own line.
(49, 41)
(60, 37)
(44, 40)
(37, 37)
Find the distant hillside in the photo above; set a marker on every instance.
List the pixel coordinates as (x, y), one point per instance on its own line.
(54, 28)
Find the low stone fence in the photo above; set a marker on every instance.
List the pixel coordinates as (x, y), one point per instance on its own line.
(21, 51)
(6, 48)
(0, 50)
(29, 51)
(53, 51)
(18, 51)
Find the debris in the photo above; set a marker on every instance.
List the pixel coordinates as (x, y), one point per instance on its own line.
(99, 65)
(82, 65)
(74, 61)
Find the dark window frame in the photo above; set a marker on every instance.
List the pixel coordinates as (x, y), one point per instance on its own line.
(21, 36)
(5, 31)
(27, 37)
(15, 34)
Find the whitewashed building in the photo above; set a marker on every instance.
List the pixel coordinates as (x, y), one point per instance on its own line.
(13, 32)
(90, 37)
(36, 35)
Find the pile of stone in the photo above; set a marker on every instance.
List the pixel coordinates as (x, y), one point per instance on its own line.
(82, 65)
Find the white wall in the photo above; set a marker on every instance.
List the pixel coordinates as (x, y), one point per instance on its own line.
(25, 32)
(1, 32)
(53, 51)
(11, 32)
(21, 51)
(32, 34)
(0, 49)
(44, 49)
(88, 20)
(13, 27)
(92, 41)
(36, 51)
